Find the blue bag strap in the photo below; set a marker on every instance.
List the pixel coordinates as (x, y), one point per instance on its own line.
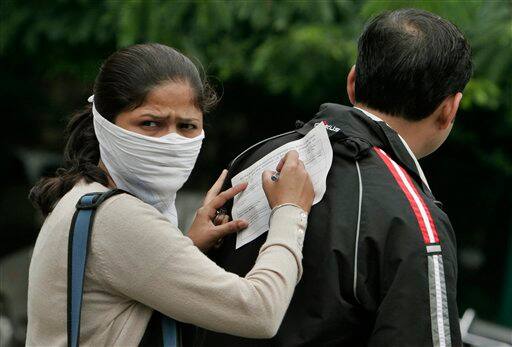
(77, 256)
(78, 246)
(169, 332)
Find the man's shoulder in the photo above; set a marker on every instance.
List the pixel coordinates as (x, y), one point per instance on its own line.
(396, 208)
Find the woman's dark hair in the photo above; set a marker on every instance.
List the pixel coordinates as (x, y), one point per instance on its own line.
(124, 81)
(409, 61)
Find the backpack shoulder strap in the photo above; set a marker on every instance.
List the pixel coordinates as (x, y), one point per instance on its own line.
(78, 246)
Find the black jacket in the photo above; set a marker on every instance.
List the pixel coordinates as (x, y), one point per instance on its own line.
(380, 264)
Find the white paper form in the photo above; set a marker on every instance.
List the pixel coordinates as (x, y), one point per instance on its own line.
(314, 150)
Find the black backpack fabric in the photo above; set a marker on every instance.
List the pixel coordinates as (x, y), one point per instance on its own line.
(367, 273)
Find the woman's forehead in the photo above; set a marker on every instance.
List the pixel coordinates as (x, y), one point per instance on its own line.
(172, 97)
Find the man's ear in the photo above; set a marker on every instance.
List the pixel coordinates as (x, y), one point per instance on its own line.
(351, 85)
(448, 110)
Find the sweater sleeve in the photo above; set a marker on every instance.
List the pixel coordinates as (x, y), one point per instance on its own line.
(139, 254)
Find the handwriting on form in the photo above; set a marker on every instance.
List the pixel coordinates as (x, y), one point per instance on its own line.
(314, 150)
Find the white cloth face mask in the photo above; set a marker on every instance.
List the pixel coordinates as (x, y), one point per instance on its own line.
(151, 168)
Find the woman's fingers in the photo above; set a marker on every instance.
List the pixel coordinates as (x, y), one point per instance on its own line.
(293, 185)
(280, 165)
(290, 161)
(226, 195)
(266, 180)
(215, 189)
(290, 158)
(230, 227)
(220, 219)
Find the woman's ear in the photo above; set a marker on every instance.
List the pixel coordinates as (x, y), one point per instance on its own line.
(448, 109)
(351, 85)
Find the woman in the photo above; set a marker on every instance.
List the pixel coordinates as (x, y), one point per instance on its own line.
(142, 133)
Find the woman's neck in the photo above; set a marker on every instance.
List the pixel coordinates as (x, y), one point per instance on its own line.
(111, 183)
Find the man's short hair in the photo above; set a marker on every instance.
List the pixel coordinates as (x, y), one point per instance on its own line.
(409, 61)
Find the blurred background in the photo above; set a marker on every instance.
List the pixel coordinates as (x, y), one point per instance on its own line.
(273, 62)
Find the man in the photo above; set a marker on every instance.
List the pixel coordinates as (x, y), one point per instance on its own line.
(380, 264)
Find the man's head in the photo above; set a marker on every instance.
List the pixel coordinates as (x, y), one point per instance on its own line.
(412, 65)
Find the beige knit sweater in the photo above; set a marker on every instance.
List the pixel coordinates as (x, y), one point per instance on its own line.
(139, 262)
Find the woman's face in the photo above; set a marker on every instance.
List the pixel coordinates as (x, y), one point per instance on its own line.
(168, 108)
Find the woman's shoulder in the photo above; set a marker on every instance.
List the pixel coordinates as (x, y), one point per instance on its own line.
(126, 207)
(118, 219)
(117, 203)
(121, 206)
(124, 213)
(64, 209)
(69, 200)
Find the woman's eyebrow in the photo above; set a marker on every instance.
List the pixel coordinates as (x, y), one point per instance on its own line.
(187, 119)
(155, 116)
(161, 116)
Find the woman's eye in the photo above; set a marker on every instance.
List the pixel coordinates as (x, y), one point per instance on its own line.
(187, 126)
(150, 123)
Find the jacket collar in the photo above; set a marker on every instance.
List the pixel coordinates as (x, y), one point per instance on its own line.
(345, 122)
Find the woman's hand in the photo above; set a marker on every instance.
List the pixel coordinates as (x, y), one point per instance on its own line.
(209, 227)
(293, 185)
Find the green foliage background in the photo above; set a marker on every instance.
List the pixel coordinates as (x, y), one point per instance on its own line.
(274, 62)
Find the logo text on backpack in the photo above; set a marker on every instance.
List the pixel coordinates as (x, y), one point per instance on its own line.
(328, 126)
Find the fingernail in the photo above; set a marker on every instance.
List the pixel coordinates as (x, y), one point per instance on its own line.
(243, 224)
